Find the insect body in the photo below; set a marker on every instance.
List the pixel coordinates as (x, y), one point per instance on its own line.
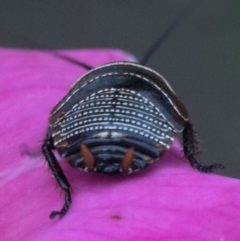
(112, 109)
(117, 119)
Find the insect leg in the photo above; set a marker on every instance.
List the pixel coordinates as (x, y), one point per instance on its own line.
(59, 176)
(190, 146)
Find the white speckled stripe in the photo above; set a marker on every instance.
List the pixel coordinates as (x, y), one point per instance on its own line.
(97, 101)
(115, 109)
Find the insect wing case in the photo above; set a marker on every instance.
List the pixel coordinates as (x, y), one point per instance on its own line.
(113, 108)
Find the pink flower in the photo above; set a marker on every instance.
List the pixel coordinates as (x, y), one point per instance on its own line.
(167, 201)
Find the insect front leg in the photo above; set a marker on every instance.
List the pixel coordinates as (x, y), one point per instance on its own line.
(59, 176)
(190, 146)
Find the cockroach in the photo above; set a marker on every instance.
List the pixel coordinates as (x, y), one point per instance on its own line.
(118, 119)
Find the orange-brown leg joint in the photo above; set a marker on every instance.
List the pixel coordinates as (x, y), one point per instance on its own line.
(127, 160)
(87, 157)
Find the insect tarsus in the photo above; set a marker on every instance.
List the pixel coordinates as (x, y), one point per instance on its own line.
(190, 147)
(59, 176)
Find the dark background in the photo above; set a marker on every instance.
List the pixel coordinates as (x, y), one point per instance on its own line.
(200, 59)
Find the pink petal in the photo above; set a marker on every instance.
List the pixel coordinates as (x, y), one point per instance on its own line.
(167, 201)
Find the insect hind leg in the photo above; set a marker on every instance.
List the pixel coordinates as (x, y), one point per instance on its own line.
(59, 176)
(190, 146)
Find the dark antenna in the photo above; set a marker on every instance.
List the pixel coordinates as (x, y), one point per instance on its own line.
(70, 60)
(143, 61)
(165, 34)
(22, 38)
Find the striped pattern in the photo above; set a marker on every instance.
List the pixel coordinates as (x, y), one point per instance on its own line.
(112, 109)
(113, 112)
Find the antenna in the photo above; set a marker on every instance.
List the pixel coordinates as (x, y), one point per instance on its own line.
(165, 34)
(22, 38)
